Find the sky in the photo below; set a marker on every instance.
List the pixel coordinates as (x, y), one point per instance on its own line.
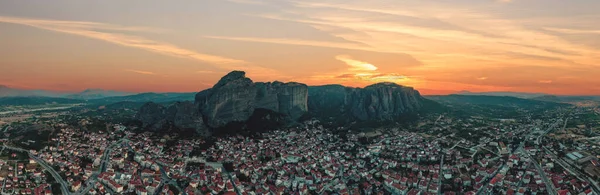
(435, 46)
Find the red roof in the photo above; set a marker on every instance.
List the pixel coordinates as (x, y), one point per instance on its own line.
(563, 192)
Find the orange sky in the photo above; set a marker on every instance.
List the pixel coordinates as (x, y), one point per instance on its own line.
(438, 47)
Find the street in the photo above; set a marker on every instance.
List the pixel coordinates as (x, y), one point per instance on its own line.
(64, 187)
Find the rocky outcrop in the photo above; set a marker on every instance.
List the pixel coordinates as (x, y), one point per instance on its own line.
(235, 97)
(180, 115)
(184, 115)
(382, 101)
(237, 100)
(289, 99)
(152, 116)
(230, 100)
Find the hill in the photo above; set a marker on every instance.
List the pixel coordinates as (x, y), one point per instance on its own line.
(503, 101)
(146, 97)
(504, 93)
(493, 106)
(97, 94)
(26, 101)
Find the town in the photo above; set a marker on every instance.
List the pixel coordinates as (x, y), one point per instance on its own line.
(546, 154)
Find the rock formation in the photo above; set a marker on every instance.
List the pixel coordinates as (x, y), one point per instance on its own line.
(286, 98)
(152, 116)
(382, 101)
(235, 97)
(180, 115)
(230, 100)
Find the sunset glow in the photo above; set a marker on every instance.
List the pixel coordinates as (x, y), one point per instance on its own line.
(437, 47)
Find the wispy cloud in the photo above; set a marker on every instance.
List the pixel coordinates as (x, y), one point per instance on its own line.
(124, 36)
(432, 32)
(444, 36)
(253, 2)
(388, 77)
(96, 30)
(545, 81)
(573, 31)
(359, 72)
(356, 65)
(141, 72)
(206, 72)
(339, 45)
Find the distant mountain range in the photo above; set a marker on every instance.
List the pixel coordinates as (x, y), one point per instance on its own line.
(502, 101)
(13, 96)
(83, 95)
(97, 94)
(505, 93)
(12, 92)
(534, 96)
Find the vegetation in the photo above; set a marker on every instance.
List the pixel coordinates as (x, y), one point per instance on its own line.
(22, 101)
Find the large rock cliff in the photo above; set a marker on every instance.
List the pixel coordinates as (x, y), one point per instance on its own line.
(153, 116)
(289, 99)
(235, 97)
(382, 101)
(180, 115)
(230, 100)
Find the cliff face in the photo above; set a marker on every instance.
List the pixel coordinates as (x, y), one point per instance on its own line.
(382, 101)
(235, 97)
(180, 115)
(152, 116)
(286, 98)
(230, 100)
(184, 115)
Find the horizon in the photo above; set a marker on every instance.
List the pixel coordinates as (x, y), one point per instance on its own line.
(432, 94)
(436, 47)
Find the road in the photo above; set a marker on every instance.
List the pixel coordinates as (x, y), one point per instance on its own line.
(537, 165)
(64, 187)
(94, 177)
(164, 177)
(40, 109)
(441, 175)
(518, 149)
(436, 120)
(542, 173)
(589, 138)
(574, 172)
(5, 129)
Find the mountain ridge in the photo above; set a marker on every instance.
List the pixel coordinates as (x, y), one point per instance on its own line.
(236, 99)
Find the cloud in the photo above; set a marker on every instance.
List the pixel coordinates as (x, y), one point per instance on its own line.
(573, 31)
(359, 72)
(482, 78)
(432, 32)
(206, 72)
(355, 64)
(545, 81)
(388, 77)
(141, 72)
(346, 76)
(505, 1)
(97, 31)
(338, 45)
(123, 37)
(252, 2)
